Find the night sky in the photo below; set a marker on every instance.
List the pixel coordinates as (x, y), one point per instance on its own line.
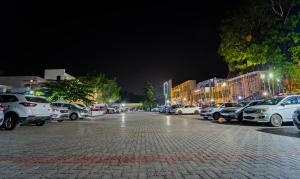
(134, 41)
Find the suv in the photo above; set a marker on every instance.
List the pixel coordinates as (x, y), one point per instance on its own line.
(275, 110)
(215, 112)
(20, 108)
(236, 112)
(75, 111)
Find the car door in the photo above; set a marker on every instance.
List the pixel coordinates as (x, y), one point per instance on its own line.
(288, 107)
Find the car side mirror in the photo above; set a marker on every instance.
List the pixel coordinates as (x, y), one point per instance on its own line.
(282, 104)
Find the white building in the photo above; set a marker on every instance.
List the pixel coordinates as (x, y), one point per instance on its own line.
(57, 74)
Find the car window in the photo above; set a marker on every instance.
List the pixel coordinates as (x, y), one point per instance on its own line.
(8, 98)
(291, 101)
(36, 99)
(272, 101)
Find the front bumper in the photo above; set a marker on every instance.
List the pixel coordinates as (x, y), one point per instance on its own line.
(60, 116)
(257, 117)
(229, 115)
(34, 119)
(206, 115)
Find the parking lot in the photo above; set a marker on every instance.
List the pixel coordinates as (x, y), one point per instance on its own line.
(149, 145)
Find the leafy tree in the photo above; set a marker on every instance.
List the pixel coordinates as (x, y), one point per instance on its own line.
(70, 90)
(149, 98)
(106, 90)
(263, 33)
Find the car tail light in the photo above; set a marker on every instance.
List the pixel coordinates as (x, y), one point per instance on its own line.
(27, 104)
(1, 107)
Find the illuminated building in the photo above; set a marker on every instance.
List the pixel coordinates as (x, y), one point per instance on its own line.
(182, 93)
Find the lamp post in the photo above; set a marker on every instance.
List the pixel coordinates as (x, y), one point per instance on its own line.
(278, 85)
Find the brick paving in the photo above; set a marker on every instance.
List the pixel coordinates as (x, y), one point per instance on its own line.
(146, 145)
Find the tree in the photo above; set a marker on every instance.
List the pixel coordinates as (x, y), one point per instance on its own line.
(263, 34)
(149, 98)
(105, 90)
(70, 90)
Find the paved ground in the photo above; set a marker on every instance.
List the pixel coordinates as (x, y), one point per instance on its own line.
(145, 145)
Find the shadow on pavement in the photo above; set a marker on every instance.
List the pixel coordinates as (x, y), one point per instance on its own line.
(287, 131)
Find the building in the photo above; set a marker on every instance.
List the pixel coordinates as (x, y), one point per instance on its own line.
(167, 86)
(209, 91)
(182, 93)
(57, 74)
(21, 81)
(4, 89)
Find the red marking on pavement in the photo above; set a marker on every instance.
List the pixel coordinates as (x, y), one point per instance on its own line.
(170, 159)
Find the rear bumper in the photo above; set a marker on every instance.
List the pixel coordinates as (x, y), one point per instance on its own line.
(59, 116)
(34, 119)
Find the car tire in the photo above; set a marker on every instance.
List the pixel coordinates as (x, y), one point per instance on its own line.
(179, 112)
(196, 112)
(241, 117)
(40, 123)
(10, 121)
(216, 116)
(276, 120)
(73, 116)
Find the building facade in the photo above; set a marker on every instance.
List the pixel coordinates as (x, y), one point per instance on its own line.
(57, 74)
(183, 93)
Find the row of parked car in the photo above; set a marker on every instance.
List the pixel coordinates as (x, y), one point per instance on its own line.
(25, 109)
(274, 111)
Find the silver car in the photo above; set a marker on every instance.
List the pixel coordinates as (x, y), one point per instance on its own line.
(59, 113)
(75, 111)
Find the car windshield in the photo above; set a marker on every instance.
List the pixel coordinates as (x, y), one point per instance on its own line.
(244, 103)
(81, 105)
(271, 101)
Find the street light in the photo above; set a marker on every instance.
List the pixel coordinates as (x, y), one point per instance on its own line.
(223, 86)
(263, 76)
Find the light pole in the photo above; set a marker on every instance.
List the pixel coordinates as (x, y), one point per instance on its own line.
(278, 85)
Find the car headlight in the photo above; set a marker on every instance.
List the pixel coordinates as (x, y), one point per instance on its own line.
(55, 110)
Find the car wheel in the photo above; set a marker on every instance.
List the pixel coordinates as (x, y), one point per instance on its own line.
(40, 123)
(216, 116)
(196, 112)
(179, 112)
(74, 116)
(276, 120)
(10, 122)
(241, 117)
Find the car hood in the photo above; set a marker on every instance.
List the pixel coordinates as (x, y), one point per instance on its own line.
(260, 107)
(59, 108)
(232, 108)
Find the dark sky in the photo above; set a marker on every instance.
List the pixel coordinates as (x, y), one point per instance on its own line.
(134, 41)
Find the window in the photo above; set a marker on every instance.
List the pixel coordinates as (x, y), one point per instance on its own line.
(36, 99)
(291, 101)
(8, 98)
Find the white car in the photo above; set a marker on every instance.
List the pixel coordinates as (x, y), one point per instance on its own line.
(296, 118)
(1, 114)
(274, 110)
(20, 108)
(215, 111)
(59, 113)
(185, 110)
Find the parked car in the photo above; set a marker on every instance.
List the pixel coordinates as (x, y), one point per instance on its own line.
(20, 108)
(75, 111)
(236, 112)
(164, 109)
(59, 113)
(155, 109)
(1, 114)
(111, 110)
(215, 111)
(296, 118)
(274, 111)
(185, 110)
